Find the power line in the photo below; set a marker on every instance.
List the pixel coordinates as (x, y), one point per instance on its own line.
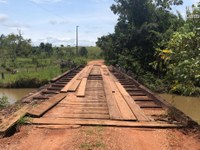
(47, 10)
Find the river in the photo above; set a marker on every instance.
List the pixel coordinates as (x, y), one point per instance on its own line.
(189, 105)
(15, 94)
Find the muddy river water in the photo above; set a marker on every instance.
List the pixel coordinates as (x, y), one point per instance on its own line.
(14, 95)
(189, 105)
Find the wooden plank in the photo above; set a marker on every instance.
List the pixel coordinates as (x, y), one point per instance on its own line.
(87, 72)
(114, 111)
(45, 106)
(84, 105)
(89, 101)
(10, 121)
(140, 115)
(74, 86)
(124, 108)
(69, 84)
(63, 110)
(82, 87)
(81, 116)
(86, 102)
(65, 121)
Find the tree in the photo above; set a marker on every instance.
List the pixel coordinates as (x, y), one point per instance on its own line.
(83, 51)
(143, 26)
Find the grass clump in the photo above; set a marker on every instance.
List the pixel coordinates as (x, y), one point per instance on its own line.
(23, 120)
(3, 102)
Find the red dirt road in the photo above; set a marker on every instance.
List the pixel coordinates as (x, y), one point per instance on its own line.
(100, 138)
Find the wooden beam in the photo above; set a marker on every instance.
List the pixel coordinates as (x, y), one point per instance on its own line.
(86, 72)
(39, 110)
(114, 111)
(74, 86)
(82, 87)
(124, 108)
(80, 116)
(65, 121)
(70, 83)
(10, 121)
(140, 115)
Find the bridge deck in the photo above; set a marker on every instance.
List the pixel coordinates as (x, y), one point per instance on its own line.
(106, 99)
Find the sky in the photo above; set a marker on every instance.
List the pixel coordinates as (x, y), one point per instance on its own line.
(55, 21)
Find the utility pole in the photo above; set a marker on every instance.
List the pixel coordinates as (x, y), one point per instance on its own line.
(77, 40)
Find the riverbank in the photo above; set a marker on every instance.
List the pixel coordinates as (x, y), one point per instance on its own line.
(30, 79)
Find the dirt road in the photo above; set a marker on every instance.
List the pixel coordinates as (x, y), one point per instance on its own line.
(100, 138)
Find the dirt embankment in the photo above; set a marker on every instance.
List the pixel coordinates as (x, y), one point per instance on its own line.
(101, 138)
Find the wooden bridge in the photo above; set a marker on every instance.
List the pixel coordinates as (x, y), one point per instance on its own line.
(96, 95)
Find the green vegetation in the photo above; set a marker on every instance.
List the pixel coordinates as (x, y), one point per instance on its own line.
(3, 102)
(24, 65)
(160, 48)
(23, 120)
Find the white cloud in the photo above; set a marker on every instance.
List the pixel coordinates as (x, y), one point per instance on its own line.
(3, 1)
(57, 22)
(3, 17)
(64, 41)
(45, 1)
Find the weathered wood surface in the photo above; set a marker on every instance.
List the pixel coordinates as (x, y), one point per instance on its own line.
(140, 115)
(39, 110)
(69, 84)
(82, 87)
(65, 121)
(74, 86)
(10, 121)
(80, 116)
(125, 110)
(114, 111)
(86, 72)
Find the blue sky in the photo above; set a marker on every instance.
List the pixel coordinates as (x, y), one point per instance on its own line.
(55, 20)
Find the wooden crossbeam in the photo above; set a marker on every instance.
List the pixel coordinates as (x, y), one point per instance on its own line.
(66, 121)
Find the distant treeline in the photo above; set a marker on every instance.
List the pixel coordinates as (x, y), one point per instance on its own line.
(25, 65)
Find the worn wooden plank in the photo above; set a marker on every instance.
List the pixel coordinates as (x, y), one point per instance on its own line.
(124, 108)
(86, 72)
(140, 115)
(69, 84)
(82, 87)
(84, 105)
(114, 111)
(10, 121)
(81, 116)
(45, 106)
(63, 110)
(74, 86)
(65, 121)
